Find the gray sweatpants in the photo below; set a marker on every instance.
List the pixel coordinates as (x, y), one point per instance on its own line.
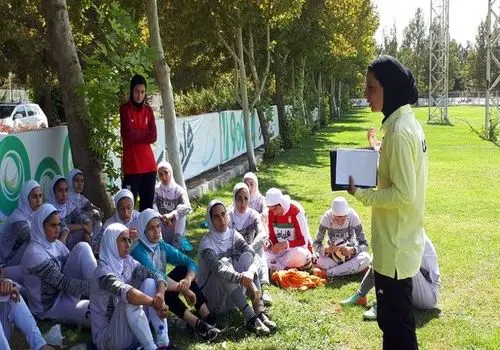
(354, 265)
(18, 314)
(424, 294)
(68, 308)
(129, 325)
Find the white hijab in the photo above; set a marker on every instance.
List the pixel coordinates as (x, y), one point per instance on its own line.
(37, 232)
(119, 196)
(74, 196)
(254, 198)
(65, 208)
(108, 251)
(168, 190)
(274, 196)
(219, 242)
(142, 223)
(23, 211)
(239, 219)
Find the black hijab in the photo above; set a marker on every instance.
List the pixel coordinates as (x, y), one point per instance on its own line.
(400, 87)
(137, 80)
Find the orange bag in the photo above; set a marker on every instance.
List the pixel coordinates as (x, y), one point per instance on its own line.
(295, 279)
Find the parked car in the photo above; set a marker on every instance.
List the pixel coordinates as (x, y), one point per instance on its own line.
(22, 115)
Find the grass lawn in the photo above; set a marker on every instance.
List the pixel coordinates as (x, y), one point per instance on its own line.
(462, 219)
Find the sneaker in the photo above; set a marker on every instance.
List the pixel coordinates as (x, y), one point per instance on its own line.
(354, 299)
(256, 326)
(267, 321)
(371, 315)
(266, 298)
(206, 331)
(211, 319)
(320, 273)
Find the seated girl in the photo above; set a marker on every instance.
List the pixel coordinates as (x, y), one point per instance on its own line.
(173, 204)
(347, 249)
(152, 252)
(248, 223)
(55, 278)
(125, 297)
(288, 233)
(125, 214)
(15, 312)
(16, 234)
(229, 270)
(79, 224)
(256, 201)
(76, 182)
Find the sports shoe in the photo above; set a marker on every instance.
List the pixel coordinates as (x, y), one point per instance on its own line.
(267, 321)
(354, 299)
(206, 331)
(266, 298)
(211, 319)
(320, 273)
(371, 315)
(256, 326)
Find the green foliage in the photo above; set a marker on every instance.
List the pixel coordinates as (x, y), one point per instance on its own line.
(295, 129)
(118, 55)
(494, 130)
(220, 96)
(273, 148)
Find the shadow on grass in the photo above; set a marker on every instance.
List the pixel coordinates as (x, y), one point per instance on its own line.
(422, 317)
(340, 281)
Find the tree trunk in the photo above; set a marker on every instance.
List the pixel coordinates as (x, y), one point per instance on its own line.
(162, 75)
(300, 92)
(340, 98)
(320, 95)
(280, 96)
(333, 103)
(70, 80)
(244, 100)
(264, 127)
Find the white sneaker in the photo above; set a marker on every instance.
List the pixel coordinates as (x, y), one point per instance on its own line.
(267, 299)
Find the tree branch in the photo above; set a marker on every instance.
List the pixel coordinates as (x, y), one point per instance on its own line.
(266, 71)
(229, 48)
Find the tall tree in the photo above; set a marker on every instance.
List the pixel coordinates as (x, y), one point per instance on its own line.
(71, 79)
(162, 75)
(413, 47)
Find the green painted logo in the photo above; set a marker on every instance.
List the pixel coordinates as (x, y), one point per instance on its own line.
(14, 171)
(67, 157)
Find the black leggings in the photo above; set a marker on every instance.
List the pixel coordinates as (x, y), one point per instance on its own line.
(142, 185)
(395, 312)
(172, 298)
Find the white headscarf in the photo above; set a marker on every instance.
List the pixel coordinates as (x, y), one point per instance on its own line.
(274, 196)
(65, 208)
(74, 196)
(169, 190)
(108, 251)
(142, 223)
(254, 199)
(119, 196)
(220, 242)
(38, 231)
(238, 218)
(23, 211)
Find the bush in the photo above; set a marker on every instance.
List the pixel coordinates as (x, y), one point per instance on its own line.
(273, 148)
(295, 129)
(219, 97)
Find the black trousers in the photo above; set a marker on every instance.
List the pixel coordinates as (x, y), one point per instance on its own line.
(172, 299)
(395, 312)
(142, 185)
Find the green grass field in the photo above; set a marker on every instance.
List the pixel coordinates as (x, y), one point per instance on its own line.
(462, 219)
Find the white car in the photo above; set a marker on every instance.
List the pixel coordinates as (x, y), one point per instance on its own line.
(16, 115)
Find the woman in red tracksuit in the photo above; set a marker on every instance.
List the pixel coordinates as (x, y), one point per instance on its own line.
(138, 131)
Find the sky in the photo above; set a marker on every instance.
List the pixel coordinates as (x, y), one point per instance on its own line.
(465, 16)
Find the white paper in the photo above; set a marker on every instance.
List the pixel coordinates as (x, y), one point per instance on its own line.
(361, 164)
